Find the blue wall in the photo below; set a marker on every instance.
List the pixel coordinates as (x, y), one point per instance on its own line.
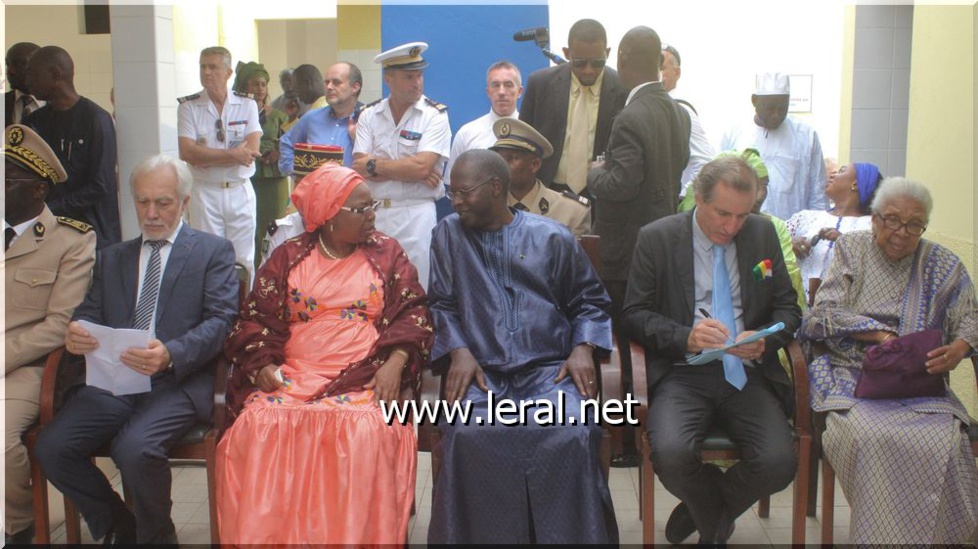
(462, 42)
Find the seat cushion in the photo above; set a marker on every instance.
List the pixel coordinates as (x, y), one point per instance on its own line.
(195, 435)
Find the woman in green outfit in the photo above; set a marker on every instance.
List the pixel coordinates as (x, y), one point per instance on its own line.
(271, 187)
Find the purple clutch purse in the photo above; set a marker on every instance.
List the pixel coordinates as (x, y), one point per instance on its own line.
(895, 369)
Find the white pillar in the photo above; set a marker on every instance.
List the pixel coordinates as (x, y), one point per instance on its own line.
(143, 65)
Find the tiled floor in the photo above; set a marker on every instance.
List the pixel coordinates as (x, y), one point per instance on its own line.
(191, 516)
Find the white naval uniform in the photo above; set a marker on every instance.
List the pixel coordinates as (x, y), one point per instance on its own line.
(476, 134)
(282, 229)
(223, 201)
(407, 210)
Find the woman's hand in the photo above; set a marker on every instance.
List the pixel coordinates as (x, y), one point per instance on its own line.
(830, 234)
(266, 380)
(386, 383)
(801, 247)
(946, 357)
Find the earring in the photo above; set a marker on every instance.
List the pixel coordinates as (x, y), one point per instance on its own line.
(331, 226)
(853, 188)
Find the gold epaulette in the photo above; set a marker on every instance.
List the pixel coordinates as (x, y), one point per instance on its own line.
(182, 100)
(440, 106)
(75, 224)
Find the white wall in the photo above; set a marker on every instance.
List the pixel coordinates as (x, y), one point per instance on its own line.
(724, 44)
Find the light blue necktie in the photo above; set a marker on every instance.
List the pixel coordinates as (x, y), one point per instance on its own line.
(733, 367)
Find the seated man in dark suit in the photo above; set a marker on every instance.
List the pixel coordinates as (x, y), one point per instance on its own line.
(700, 280)
(187, 300)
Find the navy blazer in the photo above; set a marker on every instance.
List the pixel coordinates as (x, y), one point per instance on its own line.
(197, 304)
(545, 105)
(658, 310)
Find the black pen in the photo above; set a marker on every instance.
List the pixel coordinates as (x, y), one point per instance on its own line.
(705, 314)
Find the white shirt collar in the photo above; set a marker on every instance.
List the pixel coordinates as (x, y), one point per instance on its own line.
(632, 93)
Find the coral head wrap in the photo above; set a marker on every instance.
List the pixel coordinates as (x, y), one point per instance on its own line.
(319, 195)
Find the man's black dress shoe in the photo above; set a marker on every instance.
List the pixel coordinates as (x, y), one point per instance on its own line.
(123, 531)
(680, 525)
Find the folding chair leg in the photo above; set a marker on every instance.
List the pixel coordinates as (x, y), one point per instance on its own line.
(72, 523)
(764, 507)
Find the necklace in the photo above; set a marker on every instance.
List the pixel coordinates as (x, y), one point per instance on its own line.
(330, 254)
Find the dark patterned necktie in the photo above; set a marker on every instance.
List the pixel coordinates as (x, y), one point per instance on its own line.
(151, 288)
(8, 236)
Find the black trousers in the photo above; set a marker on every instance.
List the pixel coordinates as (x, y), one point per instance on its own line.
(683, 406)
(142, 429)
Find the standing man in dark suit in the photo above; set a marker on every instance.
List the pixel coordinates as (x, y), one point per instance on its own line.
(18, 101)
(649, 147)
(640, 179)
(572, 106)
(82, 134)
(180, 285)
(700, 280)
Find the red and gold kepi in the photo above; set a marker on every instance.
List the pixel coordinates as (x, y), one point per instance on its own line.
(309, 157)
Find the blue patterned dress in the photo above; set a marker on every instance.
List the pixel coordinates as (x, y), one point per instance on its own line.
(905, 465)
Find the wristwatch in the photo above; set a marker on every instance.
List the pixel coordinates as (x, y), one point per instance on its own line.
(372, 167)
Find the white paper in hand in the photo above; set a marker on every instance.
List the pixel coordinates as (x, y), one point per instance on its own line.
(104, 370)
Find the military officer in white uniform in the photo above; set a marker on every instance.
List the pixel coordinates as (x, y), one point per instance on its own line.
(402, 144)
(47, 269)
(524, 149)
(218, 136)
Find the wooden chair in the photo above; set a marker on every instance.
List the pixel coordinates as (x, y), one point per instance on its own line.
(718, 446)
(609, 376)
(198, 444)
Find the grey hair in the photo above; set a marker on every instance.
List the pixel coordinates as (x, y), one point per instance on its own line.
(218, 50)
(732, 170)
(506, 65)
(893, 188)
(185, 179)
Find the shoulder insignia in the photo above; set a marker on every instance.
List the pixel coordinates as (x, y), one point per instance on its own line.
(243, 94)
(183, 100)
(39, 229)
(368, 105)
(576, 197)
(272, 228)
(544, 205)
(74, 224)
(440, 106)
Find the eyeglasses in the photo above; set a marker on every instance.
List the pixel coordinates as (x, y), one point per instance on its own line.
(219, 126)
(580, 63)
(894, 224)
(363, 209)
(463, 193)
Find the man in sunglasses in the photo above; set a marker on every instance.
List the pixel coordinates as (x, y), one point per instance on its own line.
(218, 136)
(572, 106)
